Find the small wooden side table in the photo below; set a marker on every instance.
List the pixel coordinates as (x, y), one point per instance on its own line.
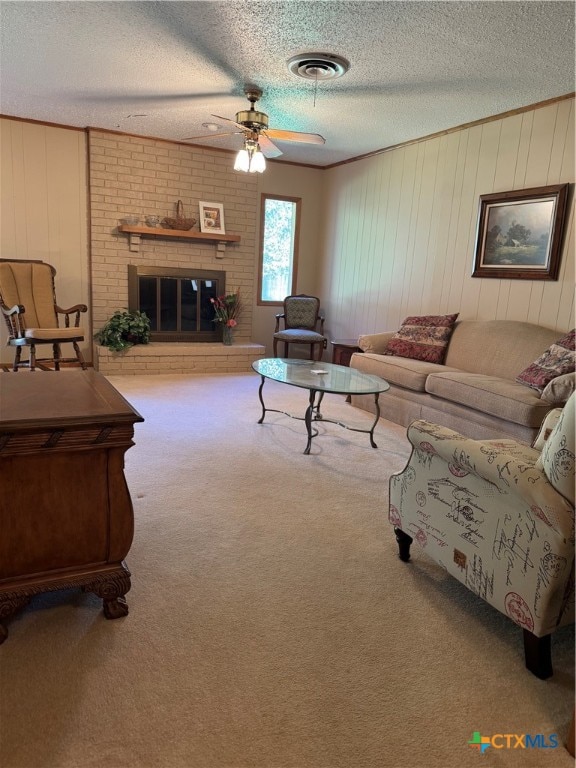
(343, 349)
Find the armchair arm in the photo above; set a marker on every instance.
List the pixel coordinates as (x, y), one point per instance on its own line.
(375, 342)
(506, 464)
(77, 308)
(12, 316)
(278, 318)
(17, 309)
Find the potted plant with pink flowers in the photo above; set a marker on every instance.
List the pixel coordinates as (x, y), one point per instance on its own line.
(227, 311)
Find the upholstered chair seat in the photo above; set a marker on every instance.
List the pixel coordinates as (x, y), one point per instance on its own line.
(28, 304)
(498, 516)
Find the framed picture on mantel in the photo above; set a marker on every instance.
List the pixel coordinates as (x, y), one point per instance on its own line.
(212, 218)
(519, 233)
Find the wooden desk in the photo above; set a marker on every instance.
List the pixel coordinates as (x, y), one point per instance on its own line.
(65, 510)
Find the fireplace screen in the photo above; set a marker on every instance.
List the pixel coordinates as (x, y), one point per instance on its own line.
(177, 301)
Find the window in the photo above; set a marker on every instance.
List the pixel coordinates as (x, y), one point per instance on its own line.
(279, 227)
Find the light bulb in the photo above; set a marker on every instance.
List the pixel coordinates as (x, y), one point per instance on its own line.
(258, 162)
(242, 161)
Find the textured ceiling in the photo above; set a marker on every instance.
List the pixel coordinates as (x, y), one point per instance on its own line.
(163, 68)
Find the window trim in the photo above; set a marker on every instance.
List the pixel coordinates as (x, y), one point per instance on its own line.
(298, 202)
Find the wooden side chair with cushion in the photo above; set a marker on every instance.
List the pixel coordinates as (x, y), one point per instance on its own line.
(28, 305)
(301, 320)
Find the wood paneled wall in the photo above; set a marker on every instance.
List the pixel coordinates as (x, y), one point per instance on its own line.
(44, 211)
(401, 226)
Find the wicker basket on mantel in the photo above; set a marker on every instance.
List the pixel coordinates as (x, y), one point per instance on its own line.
(179, 222)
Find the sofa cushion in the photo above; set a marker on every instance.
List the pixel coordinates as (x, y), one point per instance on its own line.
(497, 347)
(490, 394)
(423, 337)
(555, 361)
(402, 371)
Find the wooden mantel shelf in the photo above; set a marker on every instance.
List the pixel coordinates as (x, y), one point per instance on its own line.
(135, 232)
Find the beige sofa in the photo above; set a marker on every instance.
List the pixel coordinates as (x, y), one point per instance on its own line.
(474, 391)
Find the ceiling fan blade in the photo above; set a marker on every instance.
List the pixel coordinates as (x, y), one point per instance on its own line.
(267, 147)
(305, 138)
(151, 98)
(227, 120)
(211, 135)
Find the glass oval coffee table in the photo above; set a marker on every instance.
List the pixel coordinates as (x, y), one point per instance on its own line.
(319, 378)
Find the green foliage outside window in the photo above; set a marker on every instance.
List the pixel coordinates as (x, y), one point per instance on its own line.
(278, 248)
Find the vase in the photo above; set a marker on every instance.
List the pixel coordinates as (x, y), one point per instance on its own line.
(227, 335)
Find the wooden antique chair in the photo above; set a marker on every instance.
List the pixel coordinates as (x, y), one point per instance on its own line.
(28, 304)
(301, 318)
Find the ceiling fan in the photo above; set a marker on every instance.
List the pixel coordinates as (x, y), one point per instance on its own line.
(254, 126)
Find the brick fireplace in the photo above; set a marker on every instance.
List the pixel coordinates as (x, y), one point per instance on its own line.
(135, 175)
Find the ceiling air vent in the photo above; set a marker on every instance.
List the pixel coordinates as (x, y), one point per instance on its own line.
(318, 66)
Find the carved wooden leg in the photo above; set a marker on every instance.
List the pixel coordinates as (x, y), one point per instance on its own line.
(9, 604)
(17, 357)
(112, 590)
(32, 357)
(404, 542)
(57, 356)
(538, 654)
(275, 348)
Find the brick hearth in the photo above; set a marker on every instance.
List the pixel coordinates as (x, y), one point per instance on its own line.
(178, 358)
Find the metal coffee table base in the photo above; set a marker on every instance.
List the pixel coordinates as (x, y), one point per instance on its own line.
(313, 414)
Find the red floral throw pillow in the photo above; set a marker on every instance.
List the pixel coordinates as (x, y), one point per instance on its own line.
(423, 338)
(557, 360)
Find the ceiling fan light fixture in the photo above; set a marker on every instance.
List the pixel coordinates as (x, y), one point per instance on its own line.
(250, 159)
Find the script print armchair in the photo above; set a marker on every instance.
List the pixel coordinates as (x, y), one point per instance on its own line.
(498, 515)
(303, 324)
(28, 305)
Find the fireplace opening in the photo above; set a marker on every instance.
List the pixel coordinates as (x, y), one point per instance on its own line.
(177, 301)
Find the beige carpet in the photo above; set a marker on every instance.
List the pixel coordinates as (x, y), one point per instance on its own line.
(271, 623)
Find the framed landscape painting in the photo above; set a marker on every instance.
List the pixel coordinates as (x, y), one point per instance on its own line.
(519, 233)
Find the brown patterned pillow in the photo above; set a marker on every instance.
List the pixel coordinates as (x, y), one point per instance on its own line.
(557, 360)
(423, 338)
